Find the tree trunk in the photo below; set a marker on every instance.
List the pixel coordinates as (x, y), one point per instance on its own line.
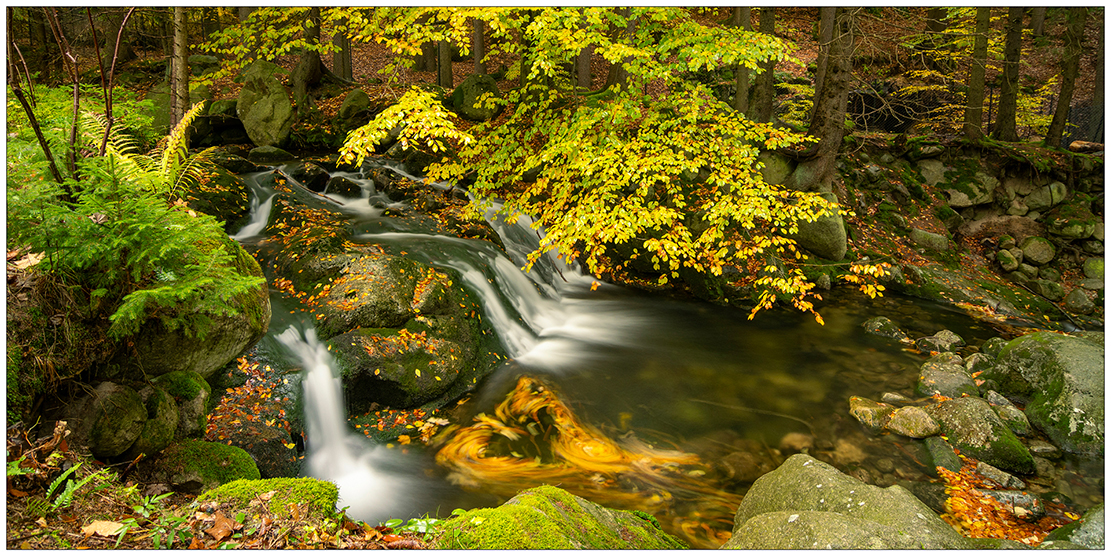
(1037, 21)
(179, 74)
(309, 68)
(443, 75)
(210, 21)
(764, 94)
(974, 103)
(1008, 95)
(1070, 67)
(478, 42)
(936, 25)
(742, 17)
(619, 75)
(583, 78)
(244, 13)
(827, 123)
(1095, 123)
(17, 91)
(341, 58)
(825, 38)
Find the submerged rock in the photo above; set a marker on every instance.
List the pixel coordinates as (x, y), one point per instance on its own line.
(549, 518)
(806, 503)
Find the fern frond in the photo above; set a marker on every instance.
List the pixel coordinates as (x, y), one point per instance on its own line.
(191, 169)
(176, 151)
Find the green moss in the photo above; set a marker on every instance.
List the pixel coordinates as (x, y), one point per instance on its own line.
(321, 496)
(215, 463)
(549, 518)
(183, 385)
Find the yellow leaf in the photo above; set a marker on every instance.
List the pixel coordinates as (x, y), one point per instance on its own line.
(417, 372)
(102, 528)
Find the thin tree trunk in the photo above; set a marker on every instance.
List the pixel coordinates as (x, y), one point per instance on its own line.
(742, 17)
(828, 120)
(478, 43)
(974, 103)
(443, 75)
(765, 81)
(70, 64)
(1008, 95)
(1037, 21)
(17, 90)
(111, 81)
(582, 67)
(1074, 35)
(619, 75)
(179, 74)
(825, 38)
(341, 58)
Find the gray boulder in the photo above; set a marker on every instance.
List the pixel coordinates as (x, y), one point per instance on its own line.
(928, 240)
(871, 414)
(912, 422)
(1077, 301)
(977, 431)
(161, 425)
(932, 170)
(777, 168)
(1014, 417)
(943, 341)
(1062, 377)
(1089, 532)
(356, 101)
(1007, 260)
(190, 393)
(466, 98)
(1047, 288)
(807, 503)
(938, 376)
(269, 153)
(1037, 250)
(108, 420)
(264, 104)
(824, 237)
(972, 192)
(1093, 268)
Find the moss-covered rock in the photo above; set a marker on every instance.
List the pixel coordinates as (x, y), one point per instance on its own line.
(108, 420)
(807, 503)
(219, 193)
(824, 237)
(1062, 377)
(271, 447)
(882, 326)
(161, 424)
(191, 393)
(195, 465)
(937, 376)
(1089, 532)
(320, 496)
(549, 518)
(156, 349)
(977, 431)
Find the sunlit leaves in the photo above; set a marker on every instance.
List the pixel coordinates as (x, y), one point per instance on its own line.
(423, 122)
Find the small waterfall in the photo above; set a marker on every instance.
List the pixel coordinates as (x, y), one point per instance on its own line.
(259, 209)
(334, 453)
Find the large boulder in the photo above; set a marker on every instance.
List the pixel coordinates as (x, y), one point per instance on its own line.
(1089, 532)
(108, 420)
(549, 518)
(466, 98)
(194, 466)
(221, 194)
(1062, 379)
(157, 349)
(975, 191)
(161, 425)
(190, 393)
(264, 104)
(807, 503)
(270, 447)
(972, 426)
(825, 237)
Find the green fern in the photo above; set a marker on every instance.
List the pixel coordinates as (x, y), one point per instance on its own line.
(130, 239)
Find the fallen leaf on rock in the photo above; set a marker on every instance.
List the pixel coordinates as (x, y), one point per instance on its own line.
(102, 528)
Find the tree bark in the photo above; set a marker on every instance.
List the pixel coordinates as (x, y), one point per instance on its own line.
(764, 94)
(244, 13)
(619, 75)
(827, 122)
(974, 103)
(1070, 67)
(1008, 95)
(1037, 21)
(478, 45)
(583, 78)
(825, 38)
(443, 74)
(69, 62)
(742, 17)
(309, 68)
(179, 73)
(341, 58)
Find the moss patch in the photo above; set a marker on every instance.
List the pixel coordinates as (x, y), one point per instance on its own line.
(548, 518)
(321, 496)
(209, 463)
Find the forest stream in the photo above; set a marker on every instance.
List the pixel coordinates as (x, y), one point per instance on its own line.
(628, 399)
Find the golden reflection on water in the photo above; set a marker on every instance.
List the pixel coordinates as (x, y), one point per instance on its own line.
(534, 439)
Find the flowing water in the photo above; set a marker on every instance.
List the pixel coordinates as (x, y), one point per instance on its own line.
(686, 375)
